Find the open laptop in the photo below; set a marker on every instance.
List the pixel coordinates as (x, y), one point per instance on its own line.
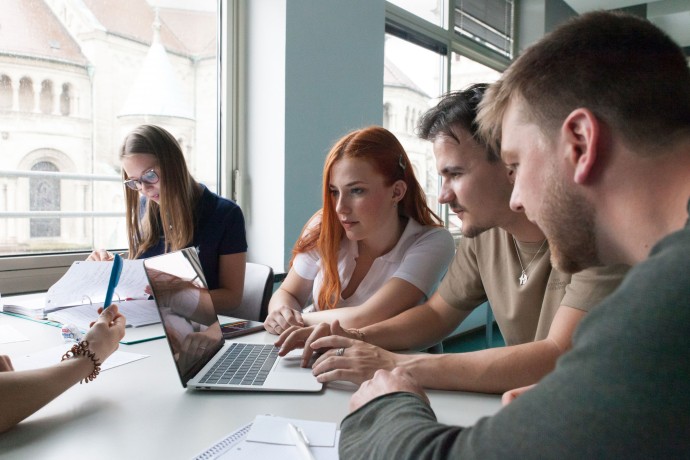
(204, 359)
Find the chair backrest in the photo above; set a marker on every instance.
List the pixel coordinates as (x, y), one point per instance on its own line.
(258, 288)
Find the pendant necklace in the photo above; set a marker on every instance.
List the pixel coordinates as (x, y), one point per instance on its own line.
(523, 276)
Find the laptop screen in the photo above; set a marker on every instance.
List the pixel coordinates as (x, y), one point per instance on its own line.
(186, 309)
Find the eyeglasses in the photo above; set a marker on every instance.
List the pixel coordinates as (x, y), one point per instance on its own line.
(150, 177)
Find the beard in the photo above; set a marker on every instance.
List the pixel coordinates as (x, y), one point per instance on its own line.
(568, 223)
(469, 231)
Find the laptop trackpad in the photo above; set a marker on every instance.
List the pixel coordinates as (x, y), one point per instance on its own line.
(291, 362)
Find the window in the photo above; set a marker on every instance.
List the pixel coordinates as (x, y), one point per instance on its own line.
(5, 93)
(412, 80)
(489, 22)
(422, 63)
(430, 10)
(466, 71)
(65, 99)
(82, 76)
(47, 96)
(44, 195)
(26, 95)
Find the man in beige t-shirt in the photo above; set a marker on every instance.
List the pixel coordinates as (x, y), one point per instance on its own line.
(487, 267)
(503, 258)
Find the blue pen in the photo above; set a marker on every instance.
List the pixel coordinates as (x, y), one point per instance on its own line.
(114, 279)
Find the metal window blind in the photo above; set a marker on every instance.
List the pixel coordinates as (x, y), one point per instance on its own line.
(489, 22)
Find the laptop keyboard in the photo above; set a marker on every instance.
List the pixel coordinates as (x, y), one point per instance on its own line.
(243, 364)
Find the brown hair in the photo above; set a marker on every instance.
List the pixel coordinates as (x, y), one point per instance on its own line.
(630, 74)
(324, 232)
(457, 110)
(178, 191)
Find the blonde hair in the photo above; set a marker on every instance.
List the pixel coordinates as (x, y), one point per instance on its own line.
(174, 216)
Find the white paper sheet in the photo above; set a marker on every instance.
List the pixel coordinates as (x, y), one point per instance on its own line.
(51, 356)
(8, 334)
(274, 430)
(88, 280)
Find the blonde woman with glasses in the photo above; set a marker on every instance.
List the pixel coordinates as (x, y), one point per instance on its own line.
(168, 210)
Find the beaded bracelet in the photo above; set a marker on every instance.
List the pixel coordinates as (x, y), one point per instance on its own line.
(82, 349)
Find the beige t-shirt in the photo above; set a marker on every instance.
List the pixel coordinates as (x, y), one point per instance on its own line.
(487, 268)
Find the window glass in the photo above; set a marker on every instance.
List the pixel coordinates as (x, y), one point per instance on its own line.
(75, 77)
(463, 73)
(412, 81)
(430, 10)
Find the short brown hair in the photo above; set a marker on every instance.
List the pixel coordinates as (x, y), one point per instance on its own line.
(630, 74)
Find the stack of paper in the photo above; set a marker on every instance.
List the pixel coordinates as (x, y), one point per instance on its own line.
(138, 313)
(29, 305)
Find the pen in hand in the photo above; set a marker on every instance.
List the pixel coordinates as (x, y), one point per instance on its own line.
(114, 279)
(301, 441)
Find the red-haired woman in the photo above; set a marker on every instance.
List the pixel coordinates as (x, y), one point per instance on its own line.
(375, 246)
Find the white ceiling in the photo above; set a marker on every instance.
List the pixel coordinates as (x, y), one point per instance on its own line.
(672, 16)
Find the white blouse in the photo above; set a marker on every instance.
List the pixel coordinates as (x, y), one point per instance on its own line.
(420, 257)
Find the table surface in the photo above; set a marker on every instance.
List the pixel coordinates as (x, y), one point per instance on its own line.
(141, 410)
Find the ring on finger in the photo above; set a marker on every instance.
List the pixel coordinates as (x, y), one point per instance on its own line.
(340, 352)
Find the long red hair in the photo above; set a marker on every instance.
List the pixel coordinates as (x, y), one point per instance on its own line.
(324, 232)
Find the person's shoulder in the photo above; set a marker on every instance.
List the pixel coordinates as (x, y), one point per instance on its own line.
(217, 202)
(418, 232)
(601, 273)
(673, 247)
(414, 228)
(669, 259)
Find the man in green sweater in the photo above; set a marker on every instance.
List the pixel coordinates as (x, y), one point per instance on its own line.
(594, 126)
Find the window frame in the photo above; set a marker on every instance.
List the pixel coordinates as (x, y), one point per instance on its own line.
(445, 41)
(37, 272)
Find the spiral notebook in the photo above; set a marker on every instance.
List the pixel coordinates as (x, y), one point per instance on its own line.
(225, 445)
(265, 438)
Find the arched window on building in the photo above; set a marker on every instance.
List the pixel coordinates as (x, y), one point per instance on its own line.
(26, 95)
(66, 99)
(47, 96)
(5, 93)
(44, 195)
(387, 115)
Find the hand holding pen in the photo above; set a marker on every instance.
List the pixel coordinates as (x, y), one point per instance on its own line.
(114, 279)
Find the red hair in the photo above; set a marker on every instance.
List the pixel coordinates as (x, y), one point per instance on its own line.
(324, 232)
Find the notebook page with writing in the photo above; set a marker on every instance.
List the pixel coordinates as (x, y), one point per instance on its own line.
(87, 281)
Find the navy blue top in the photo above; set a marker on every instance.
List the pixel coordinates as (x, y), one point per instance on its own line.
(218, 230)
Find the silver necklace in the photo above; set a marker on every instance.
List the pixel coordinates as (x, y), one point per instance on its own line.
(523, 276)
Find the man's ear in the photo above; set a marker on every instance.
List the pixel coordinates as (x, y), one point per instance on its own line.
(399, 190)
(580, 135)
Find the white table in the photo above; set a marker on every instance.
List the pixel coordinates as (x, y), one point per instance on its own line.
(140, 410)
